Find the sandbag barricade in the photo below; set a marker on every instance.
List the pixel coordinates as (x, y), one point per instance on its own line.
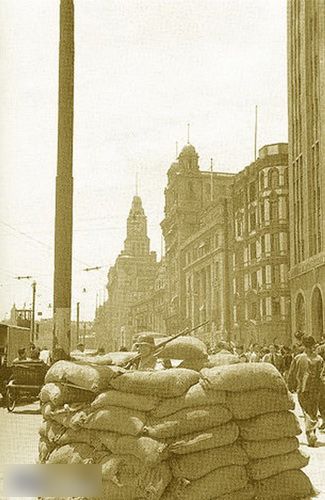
(225, 433)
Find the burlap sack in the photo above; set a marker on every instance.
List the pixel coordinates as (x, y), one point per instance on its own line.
(288, 484)
(44, 450)
(50, 430)
(90, 377)
(74, 453)
(125, 400)
(222, 435)
(185, 348)
(188, 421)
(130, 480)
(266, 467)
(247, 493)
(59, 394)
(243, 377)
(269, 448)
(166, 384)
(218, 482)
(275, 425)
(221, 359)
(249, 404)
(114, 419)
(196, 465)
(66, 418)
(194, 397)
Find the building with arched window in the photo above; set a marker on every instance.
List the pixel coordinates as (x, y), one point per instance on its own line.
(306, 70)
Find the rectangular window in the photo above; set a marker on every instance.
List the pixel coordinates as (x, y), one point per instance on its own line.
(263, 245)
(275, 243)
(254, 280)
(252, 220)
(252, 247)
(252, 191)
(276, 309)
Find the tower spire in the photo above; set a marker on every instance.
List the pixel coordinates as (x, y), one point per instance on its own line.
(188, 133)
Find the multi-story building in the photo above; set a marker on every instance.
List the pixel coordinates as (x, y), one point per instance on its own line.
(129, 281)
(261, 306)
(306, 93)
(205, 284)
(149, 313)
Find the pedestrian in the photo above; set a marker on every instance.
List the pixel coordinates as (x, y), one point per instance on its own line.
(255, 354)
(274, 357)
(22, 355)
(45, 355)
(241, 354)
(81, 347)
(305, 377)
(287, 360)
(321, 352)
(35, 354)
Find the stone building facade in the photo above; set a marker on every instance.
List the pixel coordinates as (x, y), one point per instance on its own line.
(306, 94)
(149, 313)
(129, 281)
(260, 253)
(204, 257)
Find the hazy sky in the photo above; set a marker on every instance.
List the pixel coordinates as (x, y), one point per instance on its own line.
(144, 69)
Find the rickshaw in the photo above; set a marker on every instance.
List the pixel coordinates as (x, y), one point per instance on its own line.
(26, 382)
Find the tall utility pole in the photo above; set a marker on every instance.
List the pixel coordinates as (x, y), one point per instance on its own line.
(78, 321)
(32, 326)
(64, 182)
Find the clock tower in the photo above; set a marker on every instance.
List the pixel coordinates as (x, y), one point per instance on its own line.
(136, 242)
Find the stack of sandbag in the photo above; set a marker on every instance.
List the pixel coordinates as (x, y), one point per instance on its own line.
(261, 406)
(204, 456)
(225, 433)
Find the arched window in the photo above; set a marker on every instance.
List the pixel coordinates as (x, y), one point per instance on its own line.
(262, 181)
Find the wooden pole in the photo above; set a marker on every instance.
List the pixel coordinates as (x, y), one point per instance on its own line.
(64, 182)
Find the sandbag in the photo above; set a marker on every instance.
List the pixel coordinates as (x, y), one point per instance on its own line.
(113, 419)
(104, 359)
(270, 447)
(194, 397)
(75, 453)
(194, 364)
(269, 426)
(66, 418)
(185, 348)
(130, 480)
(221, 359)
(167, 383)
(79, 436)
(90, 377)
(266, 467)
(188, 421)
(50, 430)
(44, 450)
(218, 482)
(213, 438)
(247, 493)
(196, 465)
(125, 400)
(250, 404)
(148, 450)
(290, 484)
(59, 394)
(243, 377)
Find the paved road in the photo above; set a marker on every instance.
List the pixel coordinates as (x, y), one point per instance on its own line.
(19, 442)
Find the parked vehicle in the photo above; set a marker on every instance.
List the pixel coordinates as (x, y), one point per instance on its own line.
(26, 381)
(11, 339)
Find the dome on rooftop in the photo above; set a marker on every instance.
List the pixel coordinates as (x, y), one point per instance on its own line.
(187, 150)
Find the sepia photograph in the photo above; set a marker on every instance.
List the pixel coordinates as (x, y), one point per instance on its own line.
(162, 257)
